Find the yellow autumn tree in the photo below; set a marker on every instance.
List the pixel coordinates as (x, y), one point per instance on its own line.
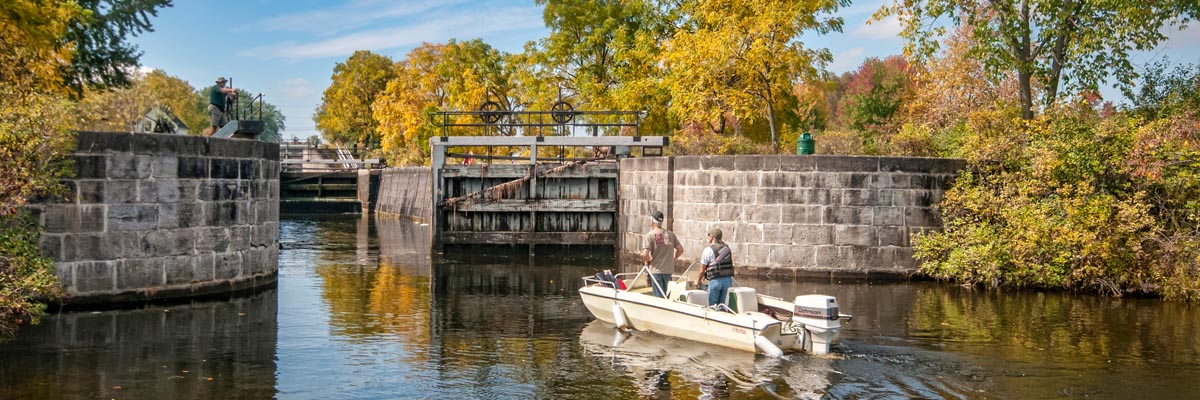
(439, 77)
(739, 59)
(344, 115)
(117, 109)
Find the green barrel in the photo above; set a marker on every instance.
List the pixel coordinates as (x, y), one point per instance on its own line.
(805, 144)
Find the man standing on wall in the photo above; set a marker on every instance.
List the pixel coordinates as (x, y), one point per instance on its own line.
(656, 254)
(716, 265)
(216, 104)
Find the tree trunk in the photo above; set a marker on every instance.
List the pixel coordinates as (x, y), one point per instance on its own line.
(1025, 64)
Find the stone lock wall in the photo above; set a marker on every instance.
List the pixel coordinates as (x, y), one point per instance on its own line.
(790, 215)
(152, 216)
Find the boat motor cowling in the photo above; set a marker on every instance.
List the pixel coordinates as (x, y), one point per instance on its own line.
(817, 310)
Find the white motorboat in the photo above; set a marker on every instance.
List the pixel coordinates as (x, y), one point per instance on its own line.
(747, 321)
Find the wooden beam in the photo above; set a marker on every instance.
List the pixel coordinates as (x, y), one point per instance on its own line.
(596, 238)
(541, 205)
(636, 141)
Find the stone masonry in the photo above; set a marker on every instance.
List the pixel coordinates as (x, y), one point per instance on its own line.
(151, 216)
(793, 216)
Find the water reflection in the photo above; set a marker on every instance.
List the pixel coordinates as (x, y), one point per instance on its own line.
(201, 350)
(363, 310)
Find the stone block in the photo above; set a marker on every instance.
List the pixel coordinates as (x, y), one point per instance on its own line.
(784, 195)
(752, 163)
(66, 275)
(187, 215)
(736, 179)
(223, 168)
(795, 256)
(92, 218)
(168, 242)
(91, 166)
(158, 191)
(164, 166)
(888, 216)
(120, 191)
(94, 276)
(893, 236)
(904, 260)
(924, 182)
(239, 238)
(920, 216)
(98, 142)
(192, 168)
(130, 217)
(812, 235)
(227, 265)
(250, 169)
(178, 270)
(912, 198)
(797, 163)
(718, 163)
(729, 212)
(60, 218)
(890, 181)
(834, 180)
(126, 244)
(847, 164)
(743, 233)
(139, 273)
(51, 246)
(751, 254)
(91, 191)
(801, 214)
(832, 257)
(156, 143)
(865, 197)
(128, 166)
(203, 267)
(89, 247)
(687, 163)
(768, 214)
(856, 235)
(818, 196)
(212, 240)
(848, 215)
(731, 195)
(777, 234)
(230, 148)
(270, 151)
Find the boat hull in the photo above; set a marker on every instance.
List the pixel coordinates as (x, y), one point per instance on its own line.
(645, 312)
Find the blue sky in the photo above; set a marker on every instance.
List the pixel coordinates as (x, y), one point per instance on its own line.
(287, 49)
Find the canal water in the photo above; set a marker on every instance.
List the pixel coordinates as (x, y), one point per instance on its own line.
(360, 312)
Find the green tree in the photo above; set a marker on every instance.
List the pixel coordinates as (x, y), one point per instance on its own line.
(102, 58)
(1166, 91)
(740, 58)
(344, 116)
(603, 55)
(874, 93)
(34, 140)
(1055, 45)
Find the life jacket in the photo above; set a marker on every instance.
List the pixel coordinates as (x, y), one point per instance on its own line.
(722, 263)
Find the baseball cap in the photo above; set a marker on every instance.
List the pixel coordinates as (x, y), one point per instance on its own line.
(657, 215)
(714, 232)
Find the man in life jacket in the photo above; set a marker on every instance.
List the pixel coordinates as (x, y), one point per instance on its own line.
(716, 265)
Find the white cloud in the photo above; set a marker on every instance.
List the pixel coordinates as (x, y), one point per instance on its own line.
(847, 60)
(466, 26)
(888, 28)
(297, 88)
(350, 16)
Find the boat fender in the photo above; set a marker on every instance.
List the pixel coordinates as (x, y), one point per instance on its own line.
(764, 345)
(619, 317)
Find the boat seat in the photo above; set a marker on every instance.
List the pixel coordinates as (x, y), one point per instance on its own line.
(695, 296)
(743, 300)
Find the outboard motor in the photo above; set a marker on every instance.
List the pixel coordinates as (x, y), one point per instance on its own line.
(819, 315)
